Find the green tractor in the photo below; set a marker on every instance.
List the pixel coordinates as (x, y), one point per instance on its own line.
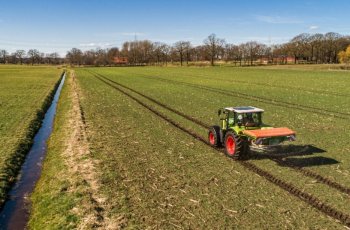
(241, 128)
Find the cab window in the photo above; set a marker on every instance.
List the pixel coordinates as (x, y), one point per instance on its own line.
(251, 119)
(231, 119)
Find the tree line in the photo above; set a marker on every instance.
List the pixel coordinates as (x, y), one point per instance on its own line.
(31, 57)
(303, 48)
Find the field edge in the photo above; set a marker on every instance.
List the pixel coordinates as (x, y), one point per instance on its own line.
(13, 164)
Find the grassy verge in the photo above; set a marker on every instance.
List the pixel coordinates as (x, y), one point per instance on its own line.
(67, 194)
(51, 201)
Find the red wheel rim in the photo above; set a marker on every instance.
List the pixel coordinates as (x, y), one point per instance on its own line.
(211, 138)
(230, 145)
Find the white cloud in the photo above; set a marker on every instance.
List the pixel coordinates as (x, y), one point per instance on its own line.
(313, 27)
(262, 39)
(93, 45)
(88, 44)
(277, 19)
(132, 34)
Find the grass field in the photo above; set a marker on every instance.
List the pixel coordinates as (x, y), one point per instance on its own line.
(153, 174)
(24, 94)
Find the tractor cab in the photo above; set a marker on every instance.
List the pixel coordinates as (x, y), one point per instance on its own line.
(246, 117)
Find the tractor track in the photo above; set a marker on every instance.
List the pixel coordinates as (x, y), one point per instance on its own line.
(290, 188)
(278, 159)
(283, 104)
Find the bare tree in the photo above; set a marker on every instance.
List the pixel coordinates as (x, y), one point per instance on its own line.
(238, 54)
(181, 47)
(234, 53)
(157, 50)
(33, 55)
(330, 40)
(101, 57)
(300, 46)
(188, 49)
(199, 53)
(112, 53)
(55, 58)
(52, 58)
(4, 54)
(315, 42)
(20, 54)
(138, 52)
(42, 58)
(166, 52)
(213, 46)
(254, 49)
(75, 56)
(89, 57)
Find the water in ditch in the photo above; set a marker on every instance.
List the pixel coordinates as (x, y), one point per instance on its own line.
(15, 212)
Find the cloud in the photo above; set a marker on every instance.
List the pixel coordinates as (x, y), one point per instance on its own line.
(313, 27)
(262, 39)
(88, 44)
(132, 34)
(93, 45)
(277, 19)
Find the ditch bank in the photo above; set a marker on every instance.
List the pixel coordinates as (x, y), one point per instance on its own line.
(27, 159)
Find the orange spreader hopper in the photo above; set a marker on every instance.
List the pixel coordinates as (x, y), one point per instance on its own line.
(274, 132)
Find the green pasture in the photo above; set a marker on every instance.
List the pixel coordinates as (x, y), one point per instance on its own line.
(24, 93)
(156, 175)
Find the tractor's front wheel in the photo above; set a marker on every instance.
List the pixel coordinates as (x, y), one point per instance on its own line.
(234, 146)
(214, 136)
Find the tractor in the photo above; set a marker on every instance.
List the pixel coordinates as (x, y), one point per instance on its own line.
(241, 129)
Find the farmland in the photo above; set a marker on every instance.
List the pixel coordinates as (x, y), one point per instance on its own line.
(140, 123)
(24, 94)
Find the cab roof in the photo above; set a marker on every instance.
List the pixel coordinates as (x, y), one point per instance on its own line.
(244, 109)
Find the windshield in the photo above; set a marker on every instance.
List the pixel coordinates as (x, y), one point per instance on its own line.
(249, 119)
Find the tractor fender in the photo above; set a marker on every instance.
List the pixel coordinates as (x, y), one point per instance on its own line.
(223, 133)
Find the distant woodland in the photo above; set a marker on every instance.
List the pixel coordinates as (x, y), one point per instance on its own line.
(302, 49)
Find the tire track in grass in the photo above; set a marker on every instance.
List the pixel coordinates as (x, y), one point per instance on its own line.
(290, 188)
(283, 104)
(274, 158)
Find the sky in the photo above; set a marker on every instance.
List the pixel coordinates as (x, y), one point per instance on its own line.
(59, 25)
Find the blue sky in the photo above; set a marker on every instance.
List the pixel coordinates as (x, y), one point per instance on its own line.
(57, 26)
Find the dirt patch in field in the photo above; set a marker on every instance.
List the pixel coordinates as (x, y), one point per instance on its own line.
(94, 208)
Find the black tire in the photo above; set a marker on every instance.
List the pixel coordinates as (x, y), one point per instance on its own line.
(214, 136)
(234, 145)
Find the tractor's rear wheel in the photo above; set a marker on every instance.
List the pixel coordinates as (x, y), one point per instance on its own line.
(234, 146)
(214, 136)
